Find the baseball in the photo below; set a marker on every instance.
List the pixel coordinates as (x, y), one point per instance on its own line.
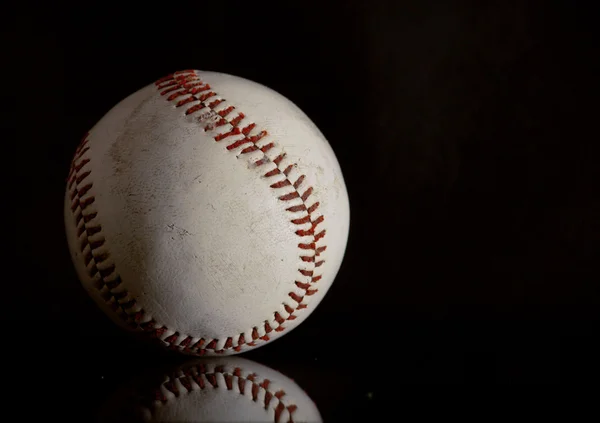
(218, 389)
(207, 211)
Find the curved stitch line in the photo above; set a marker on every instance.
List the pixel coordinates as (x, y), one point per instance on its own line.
(207, 380)
(127, 308)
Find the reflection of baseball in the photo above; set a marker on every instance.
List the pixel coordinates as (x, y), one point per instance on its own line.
(223, 389)
(208, 211)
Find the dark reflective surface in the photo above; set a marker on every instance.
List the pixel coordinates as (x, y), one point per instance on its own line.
(467, 136)
(218, 389)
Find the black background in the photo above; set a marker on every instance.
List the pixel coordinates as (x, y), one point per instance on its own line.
(467, 134)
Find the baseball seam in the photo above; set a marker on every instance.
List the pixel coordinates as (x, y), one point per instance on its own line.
(199, 378)
(218, 119)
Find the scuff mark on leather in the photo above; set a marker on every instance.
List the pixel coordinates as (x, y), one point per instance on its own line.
(180, 231)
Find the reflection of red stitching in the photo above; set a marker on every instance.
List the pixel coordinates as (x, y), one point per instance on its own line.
(208, 380)
(180, 84)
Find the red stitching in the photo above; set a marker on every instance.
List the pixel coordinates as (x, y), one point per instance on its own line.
(187, 83)
(290, 196)
(303, 220)
(288, 169)
(248, 128)
(92, 256)
(238, 143)
(238, 119)
(249, 149)
(207, 379)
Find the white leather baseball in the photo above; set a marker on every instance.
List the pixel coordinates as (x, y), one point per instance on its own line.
(223, 389)
(208, 211)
